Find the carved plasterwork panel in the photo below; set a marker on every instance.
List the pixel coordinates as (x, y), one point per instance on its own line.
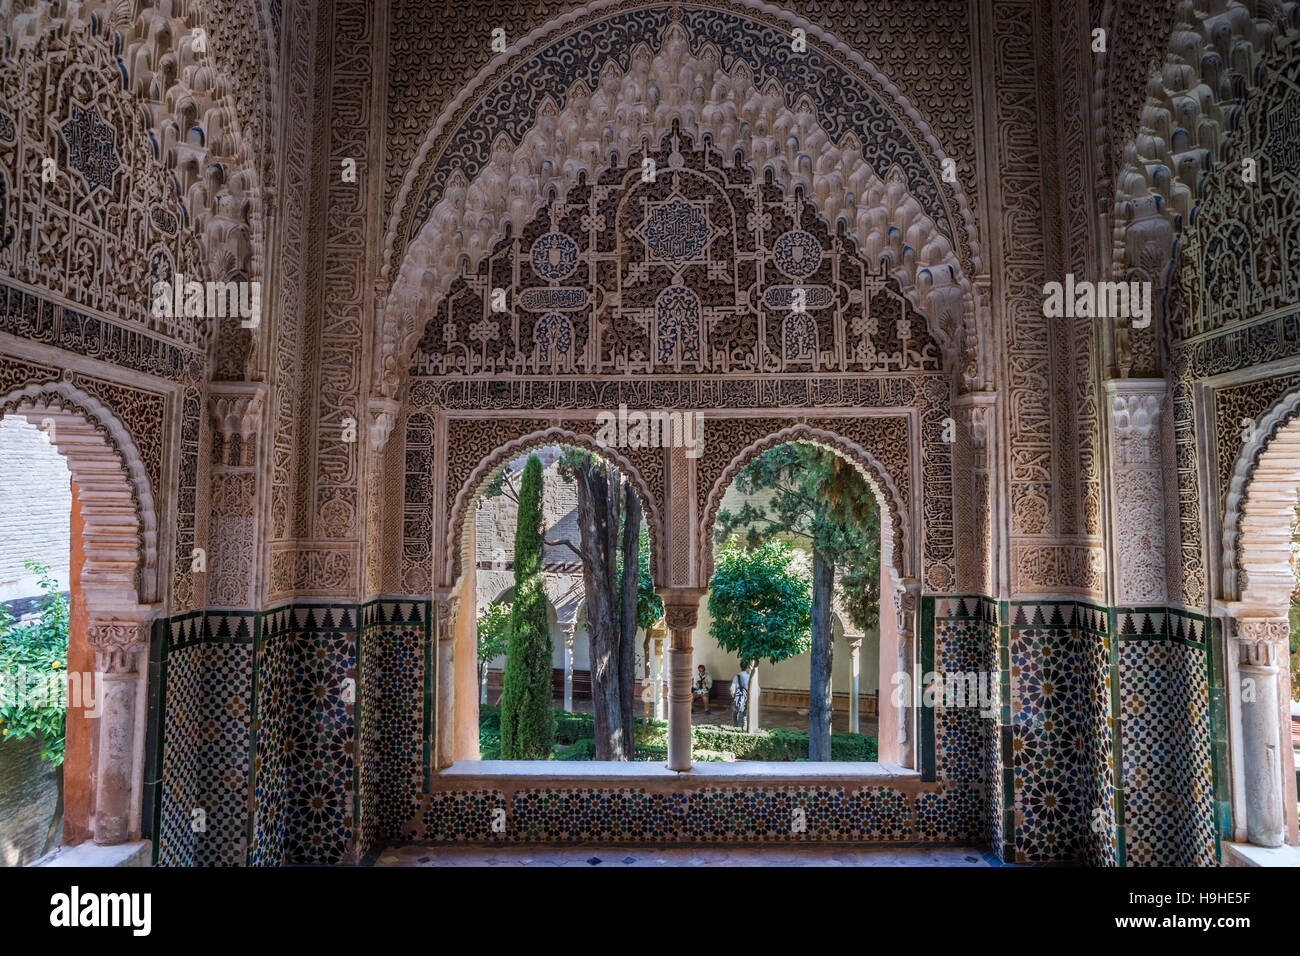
(455, 208)
(1216, 55)
(697, 272)
(89, 211)
(1241, 248)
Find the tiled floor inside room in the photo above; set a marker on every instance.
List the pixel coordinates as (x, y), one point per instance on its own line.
(620, 857)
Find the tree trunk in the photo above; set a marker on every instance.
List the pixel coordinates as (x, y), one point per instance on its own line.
(598, 514)
(819, 676)
(627, 635)
(52, 834)
(752, 692)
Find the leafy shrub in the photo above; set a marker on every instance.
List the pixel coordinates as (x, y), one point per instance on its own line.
(779, 745)
(33, 665)
(570, 727)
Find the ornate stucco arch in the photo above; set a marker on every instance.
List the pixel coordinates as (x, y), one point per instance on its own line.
(1261, 505)
(895, 537)
(884, 183)
(121, 519)
(456, 556)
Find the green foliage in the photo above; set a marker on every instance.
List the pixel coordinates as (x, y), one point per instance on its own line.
(570, 727)
(527, 721)
(779, 745)
(649, 606)
(33, 665)
(585, 749)
(1295, 651)
(493, 633)
(500, 484)
(821, 500)
(760, 604)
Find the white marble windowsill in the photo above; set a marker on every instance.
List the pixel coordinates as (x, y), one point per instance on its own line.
(640, 770)
(89, 853)
(1247, 854)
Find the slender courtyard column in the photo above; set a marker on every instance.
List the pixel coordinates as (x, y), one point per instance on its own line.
(855, 650)
(445, 735)
(568, 664)
(119, 646)
(906, 602)
(681, 610)
(659, 669)
(1261, 643)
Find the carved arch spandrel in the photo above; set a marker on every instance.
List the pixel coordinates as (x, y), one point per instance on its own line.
(896, 540)
(463, 489)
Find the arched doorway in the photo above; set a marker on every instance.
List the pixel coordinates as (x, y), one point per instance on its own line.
(115, 544)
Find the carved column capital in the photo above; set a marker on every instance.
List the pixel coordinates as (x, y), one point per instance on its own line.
(384, 413)
(681, 607)
(1262, 641)
(1135, 409)
(445, 607)
(236, 408)
(117, 644)
(906, 595)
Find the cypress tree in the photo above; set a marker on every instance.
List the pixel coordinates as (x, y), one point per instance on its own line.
(527, 720)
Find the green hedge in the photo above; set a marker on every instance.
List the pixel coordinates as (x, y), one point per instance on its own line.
(568, 727)
(709, 742)
(779, 745)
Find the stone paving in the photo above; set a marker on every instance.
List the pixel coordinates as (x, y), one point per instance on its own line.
(624, 857)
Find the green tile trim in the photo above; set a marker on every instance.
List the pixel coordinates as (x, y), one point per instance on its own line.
(160, 725)
(250, 823)
(427, 750)
(926, 710)
(1116, 738)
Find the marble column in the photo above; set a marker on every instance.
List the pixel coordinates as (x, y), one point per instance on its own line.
(445, 605)
(906, 599)
(1262, 644)
(855, 672)
(119, 647)
(681, 610)
(568, 665)
(660, 668)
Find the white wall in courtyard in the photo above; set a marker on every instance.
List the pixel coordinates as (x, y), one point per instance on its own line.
(792, 673)
(35, 508)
